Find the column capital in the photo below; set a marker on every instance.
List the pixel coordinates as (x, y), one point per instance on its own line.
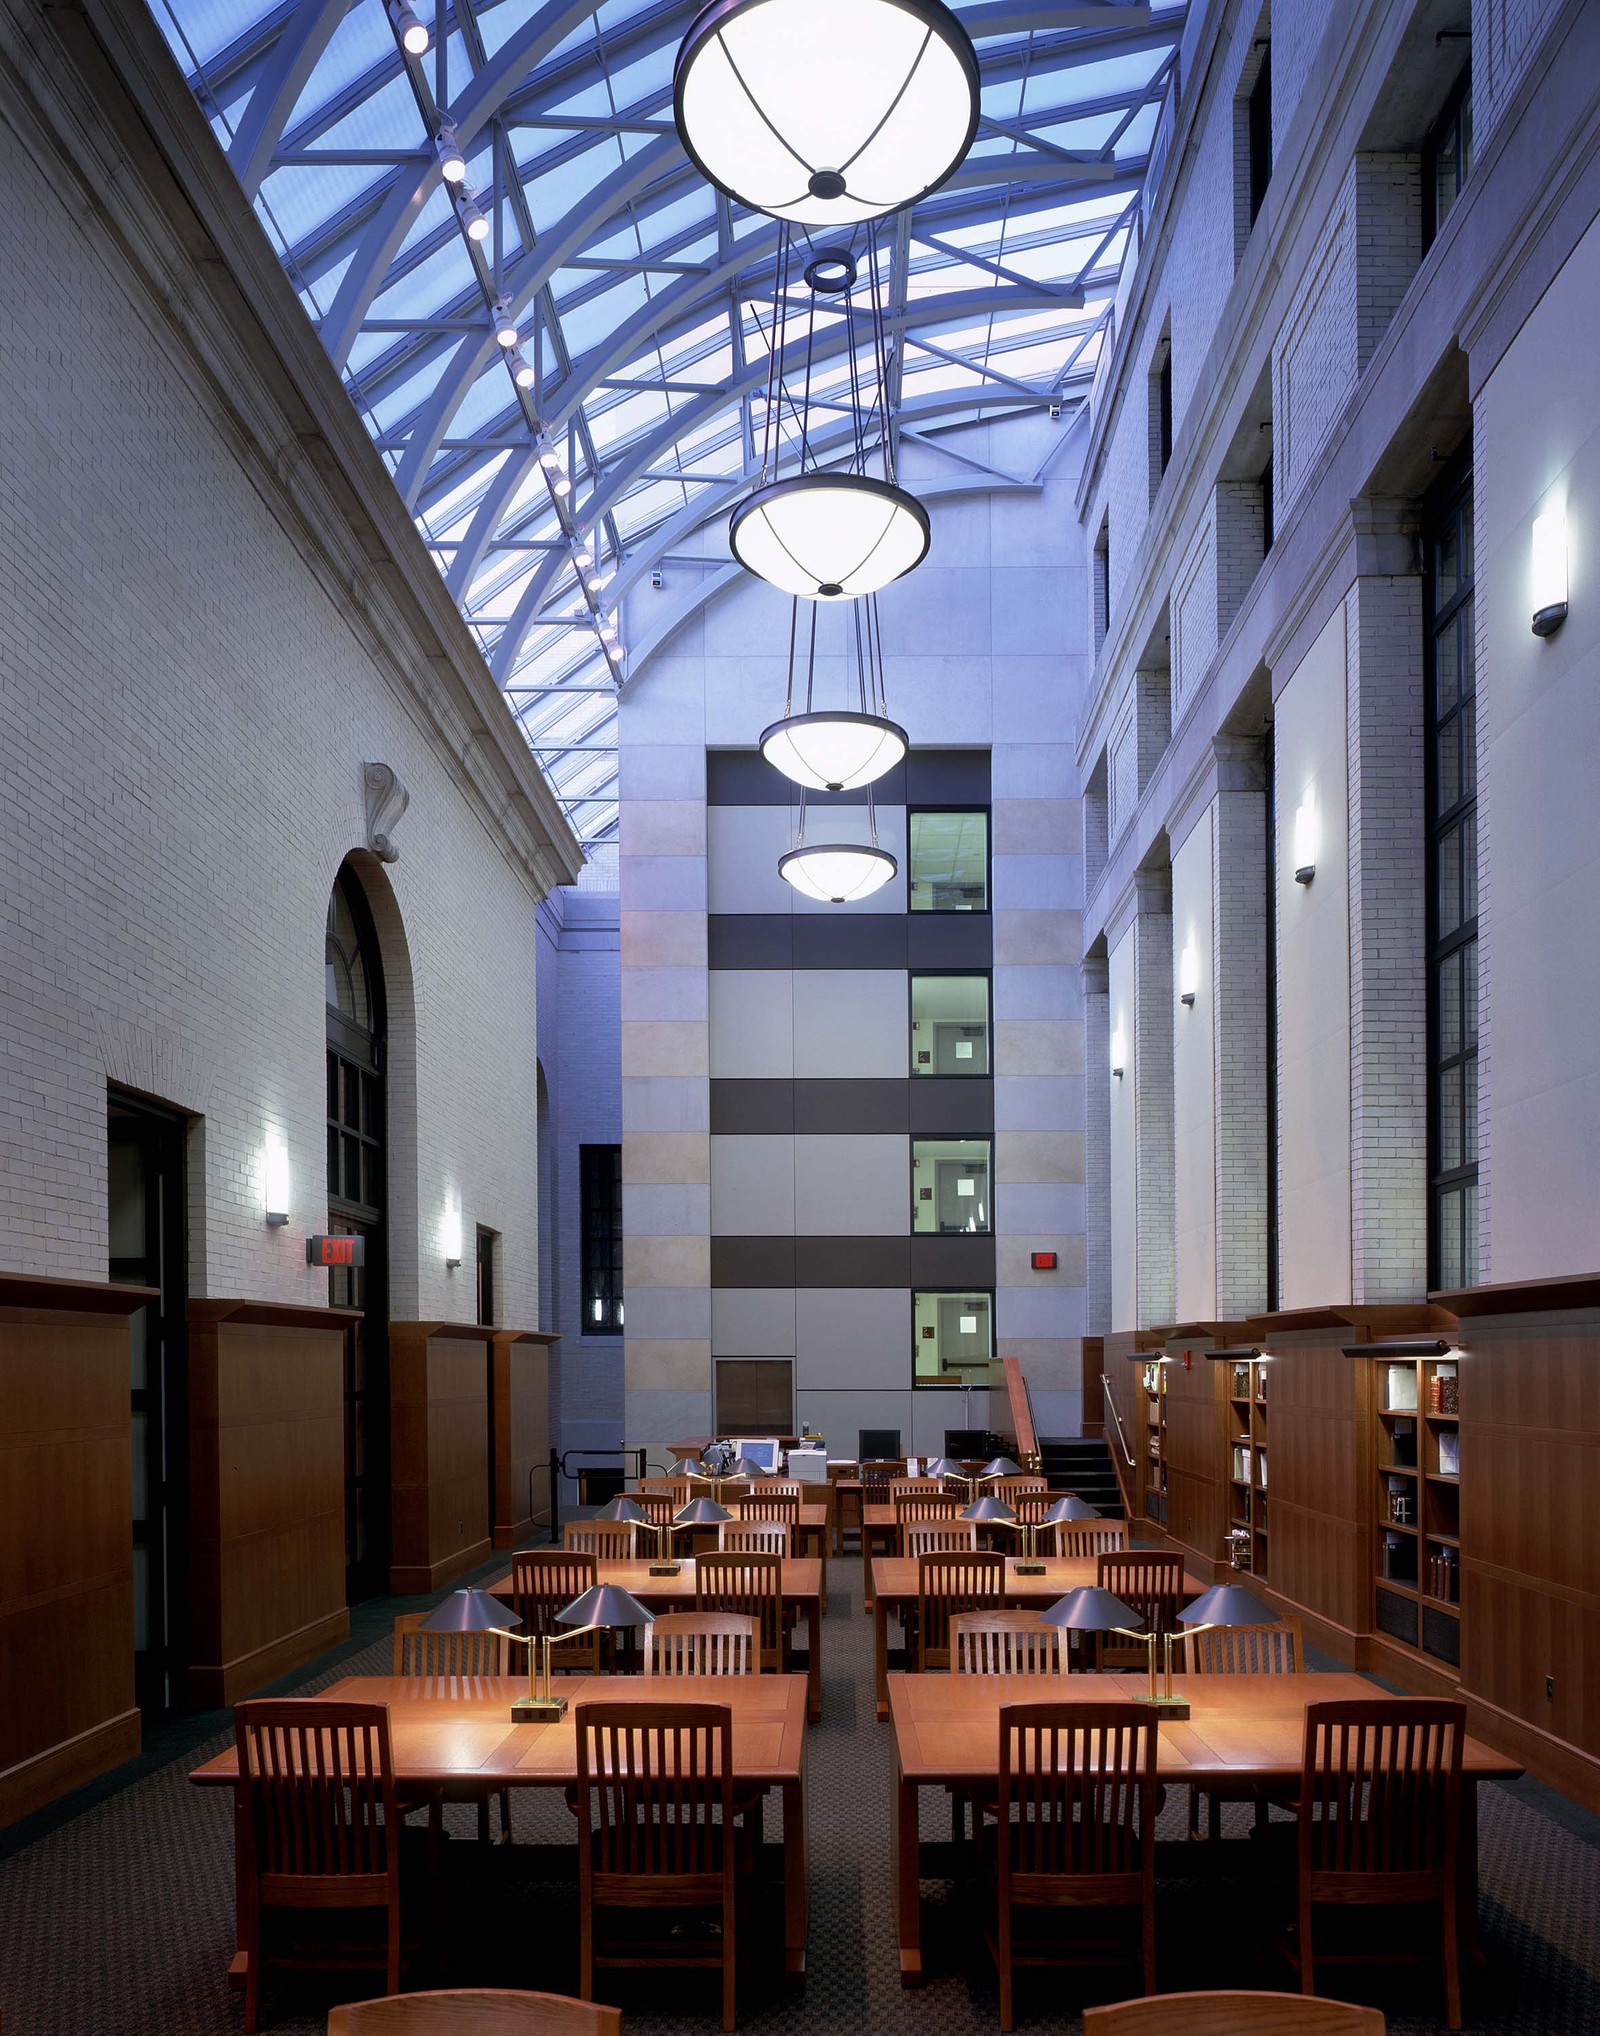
(1241, 763)
(1094, 972)
(1385, 528)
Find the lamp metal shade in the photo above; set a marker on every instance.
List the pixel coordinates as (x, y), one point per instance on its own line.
(470, 1612)
(833, 750)
(826, 111)
(627, 1510)
(944, 1467)
(1000, 1467)
(989, 1510)
(744, 1467)
(604, 1605)
(1227, 1605)
(687, 1467)
(829, 537)
(1090, 1610)
(701, 1513)
(837, 873)
(1069, 1508)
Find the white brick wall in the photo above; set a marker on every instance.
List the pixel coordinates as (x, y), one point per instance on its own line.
(1239, 1027)
(1153, 1117)
(1505, 38)
(1194, 614)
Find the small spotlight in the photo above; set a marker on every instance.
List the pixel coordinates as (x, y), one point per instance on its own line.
(594, 583)
(413, 36)
(522, 371)
(474, 222)
(452, 162)
(583, 558)
(560, 485)
(505, 326)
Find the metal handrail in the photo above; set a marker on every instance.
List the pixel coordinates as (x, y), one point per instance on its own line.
(1117, 1418)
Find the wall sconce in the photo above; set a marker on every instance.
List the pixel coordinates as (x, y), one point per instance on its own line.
(1549, 575)
(1305, 840)
(1119, 1053)
(450, 1237)
(275, 1181)
(1188, 972)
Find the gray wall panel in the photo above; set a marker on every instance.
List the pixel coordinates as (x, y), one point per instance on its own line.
(950, 1105)
(949, 940)
(952, 1261)
(755, 1109)
(753, 1187)
(752, 1262)
(848, 1185)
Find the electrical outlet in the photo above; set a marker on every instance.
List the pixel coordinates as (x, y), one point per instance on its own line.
(1550, 1687)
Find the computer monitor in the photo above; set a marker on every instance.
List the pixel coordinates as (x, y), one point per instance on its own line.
(877, 1445)
(764, 1450)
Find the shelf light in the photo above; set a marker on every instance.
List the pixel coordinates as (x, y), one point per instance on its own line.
(1305, 839)
(1548, 578)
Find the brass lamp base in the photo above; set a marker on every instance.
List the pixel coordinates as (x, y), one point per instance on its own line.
(1175, 1709)
(538, 1710)
(665, 1568)
(1028, 1569)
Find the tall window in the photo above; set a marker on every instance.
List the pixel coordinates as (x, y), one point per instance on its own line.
(1102, 583)
(1160, 411)
(600, 1175)
(948, 861)
(1258, 117)
(1452, 883)
(1447, 158)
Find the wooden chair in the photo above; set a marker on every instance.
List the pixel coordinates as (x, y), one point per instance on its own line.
(1019, 1485)
(702, 1643)
(914, 1488)
(947, 1584)
(1076, 1828)
(319, 1825)
(656, 1506)
(1150, 1584)
(1229, 2015)
(605, 1540)
(475, 2011)
(1031, 1506)
(417, 1652)
(656, 1831)
(1005, 1643)
(752, 1584)
(770, 1505)
(1241, 1650)
(1089, 1537)
(911, 1509)
(877, 1479)
(1379, 1823)
(937, 1537)
(543, 1582)
(754, 1537)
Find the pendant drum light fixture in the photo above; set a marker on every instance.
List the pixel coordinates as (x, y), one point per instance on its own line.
(836, 872)
(828, 534)
(836, 749)
(826, 112)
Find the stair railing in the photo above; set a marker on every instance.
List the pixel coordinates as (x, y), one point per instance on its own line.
(1124, 1479)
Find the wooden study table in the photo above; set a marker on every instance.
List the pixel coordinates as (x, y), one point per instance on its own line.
(455, 1733)
(1244, 1729)
(819, 1517)
(894, 1589)
(801, 1585)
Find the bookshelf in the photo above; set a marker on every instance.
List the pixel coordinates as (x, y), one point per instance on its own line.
(1153, 1380)
(1417, 1522)
(1248, 1457)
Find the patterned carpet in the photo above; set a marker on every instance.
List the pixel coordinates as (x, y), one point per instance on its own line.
(116, 1919)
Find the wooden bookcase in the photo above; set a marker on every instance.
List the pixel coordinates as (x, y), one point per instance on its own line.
(1153, 1403)
(1248, 1458)
(1417, 1501)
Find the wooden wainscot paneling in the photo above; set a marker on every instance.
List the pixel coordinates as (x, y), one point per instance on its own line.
(438, 1451)
(266, 1506)
(1319, 1499)
(1120, 1352)
(1529, 1370)
(521, 1413)
(1196, 1445)
(67, 1708)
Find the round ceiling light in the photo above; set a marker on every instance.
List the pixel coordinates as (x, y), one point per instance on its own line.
(834, 752)
(829, 537)
(837, 872)
(826, 111)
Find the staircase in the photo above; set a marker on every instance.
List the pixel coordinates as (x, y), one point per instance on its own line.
(1082, 1464)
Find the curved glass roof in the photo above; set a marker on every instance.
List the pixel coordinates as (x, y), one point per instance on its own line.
(642, 296)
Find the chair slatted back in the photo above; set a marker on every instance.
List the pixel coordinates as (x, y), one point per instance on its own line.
(656, 1506)
(1031, 1506)
(459, 1654)
(1008, 1488)
(754, 1537)
(701, 1643)
(752, 1584)
(1148, 1581)
(1078, 1796)
(1246, 1650)
(655, 1795)
(543, 1582)
(878, 1477)
(1006, 1643)
(605, 1540)
(929, 1504)
(685, 1491)
(1089, 1537)
(937, 1537)
(1220, 2014)
(475, 2011)
(964, 1581)
(318, 1795)
(1380, 1798)
(770, 1505)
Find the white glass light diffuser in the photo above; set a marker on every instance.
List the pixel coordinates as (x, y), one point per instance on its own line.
(834, 752)
(1188, 972)
(450, 1236)
(275, 1180)
(829, 537)
(826, 111)
(1119, 1053)
(837, 872)
(1549, 572)
(1305, 839)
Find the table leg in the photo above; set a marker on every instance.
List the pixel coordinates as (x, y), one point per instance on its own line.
(905, 1867)
(240, 1965)
(794, 1878)
(880, 1654)
(866, 1564)
(813, 1659)
(1472, 1952)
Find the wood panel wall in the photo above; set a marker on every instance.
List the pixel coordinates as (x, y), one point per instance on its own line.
(1117, 1351)
(66, 1537)
(1197, 1443)
(266, 1469)
(439, 1441)
(521, 1434)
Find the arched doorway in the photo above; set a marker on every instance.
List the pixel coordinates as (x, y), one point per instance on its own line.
(357, 1204)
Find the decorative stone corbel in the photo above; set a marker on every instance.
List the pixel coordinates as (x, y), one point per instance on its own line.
(387, 799)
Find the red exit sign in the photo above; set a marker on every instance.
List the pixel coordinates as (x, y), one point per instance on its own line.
(336, 1251)
(1044, 1261)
